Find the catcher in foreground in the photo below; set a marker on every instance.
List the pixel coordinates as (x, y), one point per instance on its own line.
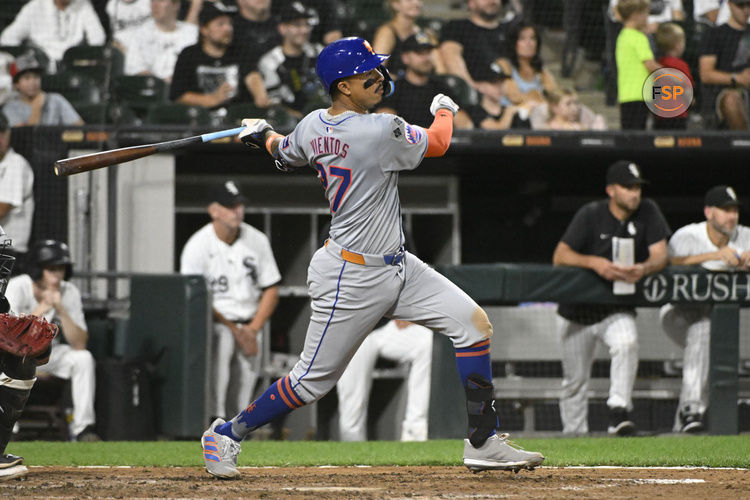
(24, 344)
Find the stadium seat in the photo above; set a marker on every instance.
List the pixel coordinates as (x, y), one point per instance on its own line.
(108, 114)
(102, 63)
(237, 111)
(432, 23)
(139, 92)
(280, 118)
(464, 95)
(178, 114)
(77, 89)
(17, 50)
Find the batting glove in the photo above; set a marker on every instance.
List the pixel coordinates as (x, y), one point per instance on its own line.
(254, 134)
(442, 101)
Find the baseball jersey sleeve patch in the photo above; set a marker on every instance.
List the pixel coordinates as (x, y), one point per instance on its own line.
(405, 132)
(285, 142)
(412, 134)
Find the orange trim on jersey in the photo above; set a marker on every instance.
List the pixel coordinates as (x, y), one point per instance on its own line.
(291, 392)
(439, 134)
(472, 354)
(280, 388)
(269, 141)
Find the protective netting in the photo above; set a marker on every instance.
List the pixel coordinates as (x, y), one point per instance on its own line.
(116, 61)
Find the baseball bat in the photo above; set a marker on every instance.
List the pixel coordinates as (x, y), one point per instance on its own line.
(93, 161)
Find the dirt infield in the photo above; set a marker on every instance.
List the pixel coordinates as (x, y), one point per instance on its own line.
(379, 482)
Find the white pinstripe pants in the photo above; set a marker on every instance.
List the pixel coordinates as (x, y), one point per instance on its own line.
(690, 328)
(618, 332)
(226, 351)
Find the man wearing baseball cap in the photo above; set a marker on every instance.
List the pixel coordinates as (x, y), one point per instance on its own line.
(239, 267)
(32, 105)
(417, 87)
(596, 232)
(211, 73)
(725, 70)
(286, 74)
(720, 244)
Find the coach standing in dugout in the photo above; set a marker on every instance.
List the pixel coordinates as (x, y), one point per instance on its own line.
(239, 267)
(719, 243)
(588, 243)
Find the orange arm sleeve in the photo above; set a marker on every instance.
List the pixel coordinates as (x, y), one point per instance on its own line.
(439, 134)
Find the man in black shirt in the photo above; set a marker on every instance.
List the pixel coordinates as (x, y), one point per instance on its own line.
(211, 73)
(470, 46)
(326, 21)
(724, 67)
(597, 231)
(255, 29)
(414, 92)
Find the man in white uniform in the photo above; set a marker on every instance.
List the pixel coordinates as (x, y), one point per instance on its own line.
(16, 195)
(363, 273)
(238, 264)
(46, 292)
(720, 244)
(152, 47)
(399, 341)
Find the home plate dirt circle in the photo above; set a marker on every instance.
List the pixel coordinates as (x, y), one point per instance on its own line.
(379, 482)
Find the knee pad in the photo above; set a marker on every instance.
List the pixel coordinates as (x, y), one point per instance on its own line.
(480, 406)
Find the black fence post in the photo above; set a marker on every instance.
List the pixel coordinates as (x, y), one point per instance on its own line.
(723, 417)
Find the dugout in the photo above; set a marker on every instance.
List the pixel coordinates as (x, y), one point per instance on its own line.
(495, 197)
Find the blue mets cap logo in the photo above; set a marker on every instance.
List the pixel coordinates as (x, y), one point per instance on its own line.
(413, 135)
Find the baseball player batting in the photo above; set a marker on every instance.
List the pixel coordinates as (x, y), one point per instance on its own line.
(363, 273)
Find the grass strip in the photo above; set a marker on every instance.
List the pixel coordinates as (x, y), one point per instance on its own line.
(701, 451)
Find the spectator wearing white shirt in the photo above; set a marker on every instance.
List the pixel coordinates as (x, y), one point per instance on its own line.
(126, 15)
(54, 26)
(16, 195)
(152, 48)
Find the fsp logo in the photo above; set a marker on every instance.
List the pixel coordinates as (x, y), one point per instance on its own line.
(655, 288)
(667, 92)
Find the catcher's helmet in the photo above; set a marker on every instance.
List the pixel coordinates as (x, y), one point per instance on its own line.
(6, 262)
(48, 253)
(347, 57)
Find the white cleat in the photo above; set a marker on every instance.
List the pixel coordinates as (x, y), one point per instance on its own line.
(220, 452)
(13, 472)
(498, 453)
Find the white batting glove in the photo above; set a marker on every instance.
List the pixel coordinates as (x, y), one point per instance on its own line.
(442, 101)
(254, 134)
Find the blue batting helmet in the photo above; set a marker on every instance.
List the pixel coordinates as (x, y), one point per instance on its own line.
(347, 57)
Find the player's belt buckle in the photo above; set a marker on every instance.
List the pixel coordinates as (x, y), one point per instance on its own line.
(395, 259)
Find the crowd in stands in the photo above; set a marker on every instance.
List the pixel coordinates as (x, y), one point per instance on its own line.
(260, 54)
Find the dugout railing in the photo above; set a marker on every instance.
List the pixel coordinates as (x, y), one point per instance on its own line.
(495, 285)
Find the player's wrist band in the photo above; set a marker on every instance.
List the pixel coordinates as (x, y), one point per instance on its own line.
(269, 141)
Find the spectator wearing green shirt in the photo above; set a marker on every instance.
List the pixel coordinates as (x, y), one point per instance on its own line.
(635, 61)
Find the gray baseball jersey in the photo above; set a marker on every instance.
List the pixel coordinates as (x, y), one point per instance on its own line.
(362, 274)
(358, 158)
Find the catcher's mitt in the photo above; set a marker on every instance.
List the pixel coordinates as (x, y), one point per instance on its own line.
(25, 335)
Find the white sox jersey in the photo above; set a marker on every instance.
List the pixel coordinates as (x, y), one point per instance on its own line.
(358, 167)
(693, 240)
(237, 273)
